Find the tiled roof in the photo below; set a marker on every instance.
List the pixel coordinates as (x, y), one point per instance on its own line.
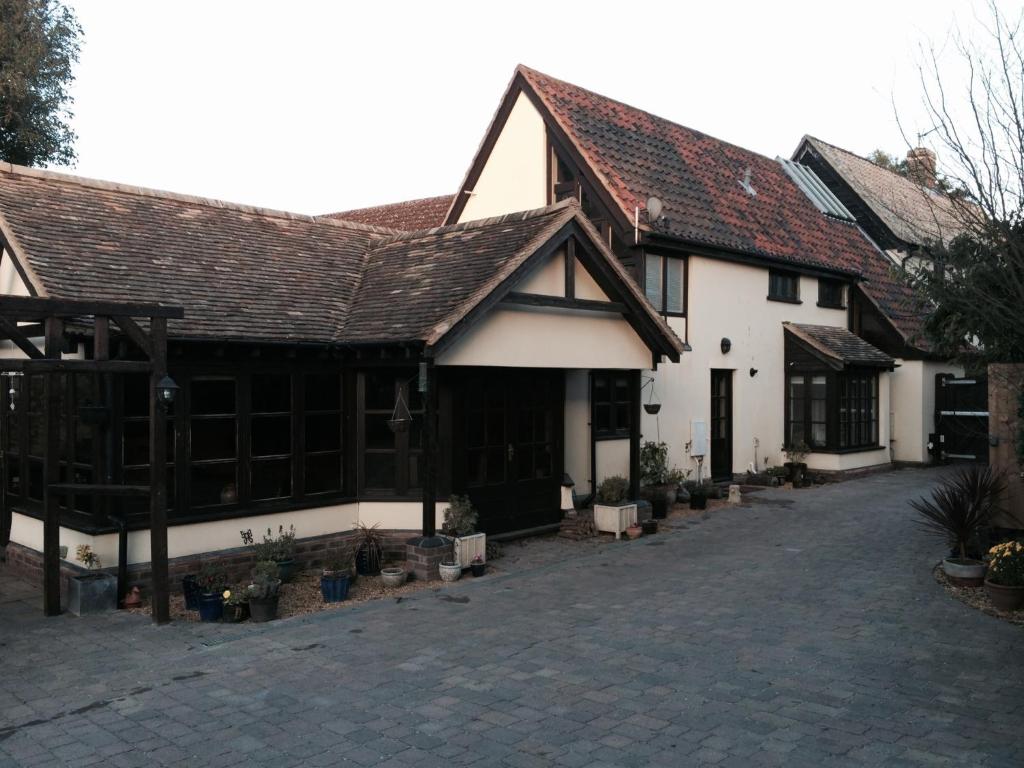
(699, 180)
(408, 215)
(251, 274)
(915, 214)
(839, 345)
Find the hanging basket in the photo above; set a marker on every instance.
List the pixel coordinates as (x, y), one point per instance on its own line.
(399, 425)
(652, 408)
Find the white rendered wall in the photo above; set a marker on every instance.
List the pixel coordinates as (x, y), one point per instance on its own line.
(729, 300)
(514, 175)
(913, 407)
(612, 459)
(577, 429)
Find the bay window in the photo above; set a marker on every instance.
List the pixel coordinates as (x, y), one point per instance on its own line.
(832, 410)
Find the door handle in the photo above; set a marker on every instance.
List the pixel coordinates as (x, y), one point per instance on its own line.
(511, 452)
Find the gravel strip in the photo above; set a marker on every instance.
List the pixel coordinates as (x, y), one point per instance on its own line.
(976, 598)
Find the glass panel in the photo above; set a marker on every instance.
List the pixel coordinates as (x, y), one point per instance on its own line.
(323, 473)
(213, 396)
(140, 476)
(271, 478)
(271, 436)
(271, 393)
(652, 279)
(603, 418)
(214, 484)
(495, 466)
(414, 470)
(601, 392)
(136, 394)
(380, 391)
(213, 439)
(323, 432)
(674, 287)
(136, 442)
(475, 430)
(378, 433)
(380, 470)
(323, 392)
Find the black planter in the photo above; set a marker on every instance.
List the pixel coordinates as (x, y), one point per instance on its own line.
(649, 527)
(478, 569)
(191, 590)
(263, 609)
(334, 588)
(211, 607)
(236, 612)
(368, 561)
(795, 472)
(698, 501)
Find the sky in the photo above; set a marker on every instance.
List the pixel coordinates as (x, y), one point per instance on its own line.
(315, 107)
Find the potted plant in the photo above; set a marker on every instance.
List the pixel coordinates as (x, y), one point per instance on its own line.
(659, 484)
(93, 591)
(279, 549)
(236, 605)
(957, 511)
(369, 549)
(796, 466)
(460, 520)
(699, 496)
(450, 570)
(211, 583)
(263, 591)
(392, 576)
(336, 579)
(1004, 583)
(190, 591)
(634, 531)
(612, 512)
(478, 566)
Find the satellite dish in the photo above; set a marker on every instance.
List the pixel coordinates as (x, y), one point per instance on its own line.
(654, 208)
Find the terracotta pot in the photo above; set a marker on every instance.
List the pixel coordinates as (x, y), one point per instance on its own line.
(634, 532)
(1005, 598)
(964, 573)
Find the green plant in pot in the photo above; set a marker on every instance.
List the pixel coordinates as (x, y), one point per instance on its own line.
(613, 512)
(336, 578)
(1004, 583)
(460, 518)
(279, 549)
(957, 512)
(659, 484)
(236, 604)
(699, 496)
(263, 591)
(369, 549)
(94, 591)
(796, 462)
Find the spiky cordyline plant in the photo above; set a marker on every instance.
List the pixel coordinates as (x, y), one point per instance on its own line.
(960, 507)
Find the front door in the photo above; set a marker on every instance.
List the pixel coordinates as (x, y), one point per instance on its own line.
(721, 425)
(507, 446)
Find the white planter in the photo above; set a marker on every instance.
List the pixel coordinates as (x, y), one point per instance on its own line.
(468, 547)
(450, 572)
(392, 577)
(614, 518)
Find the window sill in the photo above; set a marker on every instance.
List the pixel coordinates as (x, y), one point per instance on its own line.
(672, 314)
(784, 300)
(831, 306)
(611, 436)
(863, 449)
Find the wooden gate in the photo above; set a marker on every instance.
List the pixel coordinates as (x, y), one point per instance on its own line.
(961, 419)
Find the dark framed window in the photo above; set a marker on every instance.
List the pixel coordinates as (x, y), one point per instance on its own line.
(831, 293)
(612, 407)
(322, 433)
(391, 460)
(213, 440)
(828, 410)
(783, 286)
(665, 283)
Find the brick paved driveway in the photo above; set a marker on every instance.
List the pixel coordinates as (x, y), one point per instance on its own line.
(802, 630)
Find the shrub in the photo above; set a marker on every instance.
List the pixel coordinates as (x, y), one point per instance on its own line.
(653, 463)
(961, 507)
(235, 596)
(279, 549)
(460, 517)
(211, 578)
(612, 490)
(797, 452)
(88, 558)
(1006, 566)
(265, 581)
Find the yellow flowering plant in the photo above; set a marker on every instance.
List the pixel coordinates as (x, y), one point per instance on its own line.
(1006, 564)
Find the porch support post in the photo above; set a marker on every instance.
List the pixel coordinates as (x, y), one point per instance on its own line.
(54, 335)
(429, 450)
(158, 474)
(634, 435)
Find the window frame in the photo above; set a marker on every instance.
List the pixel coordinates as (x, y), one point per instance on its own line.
(661, 307)
(825, 282)
(614, 431)
(403, 450)
(775, 274)
(838, 432)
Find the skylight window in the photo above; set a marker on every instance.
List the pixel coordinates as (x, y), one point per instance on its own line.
(815, 189)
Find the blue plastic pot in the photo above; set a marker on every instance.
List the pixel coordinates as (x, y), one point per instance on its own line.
(211, 607)
(334, 589)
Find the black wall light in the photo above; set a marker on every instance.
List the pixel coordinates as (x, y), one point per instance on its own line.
(753, 372)
(726, 345)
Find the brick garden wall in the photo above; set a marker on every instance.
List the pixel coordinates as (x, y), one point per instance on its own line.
(1004, 387)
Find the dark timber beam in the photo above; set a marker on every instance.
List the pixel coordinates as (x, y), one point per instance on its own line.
(135, 333)
(46, 365)
(634, 435)
(51, 471)
(10, 330)
(36, 308)
(563, 302)
(158, 474)
(430, 451)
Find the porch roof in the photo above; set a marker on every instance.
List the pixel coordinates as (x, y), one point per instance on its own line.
(258, 275)
(837, 346)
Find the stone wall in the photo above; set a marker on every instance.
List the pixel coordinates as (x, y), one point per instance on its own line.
(1004, 387)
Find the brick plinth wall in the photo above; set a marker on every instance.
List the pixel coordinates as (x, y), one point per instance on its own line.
(423, 562)
(237, 563)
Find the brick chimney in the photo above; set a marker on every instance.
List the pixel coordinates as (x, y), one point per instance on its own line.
(921, 167)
